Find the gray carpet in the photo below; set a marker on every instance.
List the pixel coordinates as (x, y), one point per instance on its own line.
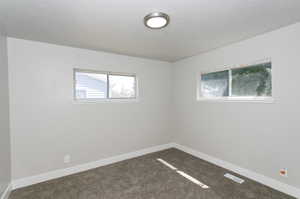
(147, 178)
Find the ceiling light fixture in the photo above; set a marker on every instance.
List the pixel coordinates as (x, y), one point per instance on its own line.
(156, 20)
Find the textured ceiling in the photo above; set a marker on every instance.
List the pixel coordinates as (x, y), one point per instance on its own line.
(117, 26)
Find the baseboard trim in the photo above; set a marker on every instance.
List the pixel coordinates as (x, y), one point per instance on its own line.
(24, 182)
(7, 191)
(285, 188)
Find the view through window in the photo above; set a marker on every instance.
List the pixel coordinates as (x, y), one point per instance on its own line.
(104, 85)
(250, 81)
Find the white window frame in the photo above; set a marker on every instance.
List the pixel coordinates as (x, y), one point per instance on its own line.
(262, 99)
(107, 99)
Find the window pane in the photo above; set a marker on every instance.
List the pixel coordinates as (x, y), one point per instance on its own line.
(91, 85)
(252, 81)
(121, 86)
(215, 84)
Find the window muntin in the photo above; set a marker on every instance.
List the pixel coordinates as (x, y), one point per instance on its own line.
(90, 85)
(249, 82)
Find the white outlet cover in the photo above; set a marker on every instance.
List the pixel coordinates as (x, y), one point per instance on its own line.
(67, 159)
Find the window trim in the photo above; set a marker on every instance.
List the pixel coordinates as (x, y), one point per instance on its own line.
(107, 99)
(262, 99)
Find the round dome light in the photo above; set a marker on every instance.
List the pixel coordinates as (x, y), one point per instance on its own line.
(156, 20)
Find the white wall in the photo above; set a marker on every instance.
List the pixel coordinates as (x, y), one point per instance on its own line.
(46, 123)
(258, 136)
(4, 118)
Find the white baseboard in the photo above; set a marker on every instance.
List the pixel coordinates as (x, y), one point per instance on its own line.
(19, 183)
(6, 193)
(285, 188)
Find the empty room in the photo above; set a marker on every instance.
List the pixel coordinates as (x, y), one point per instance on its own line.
(140, 99)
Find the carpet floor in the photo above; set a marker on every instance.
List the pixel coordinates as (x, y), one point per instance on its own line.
(168, 174)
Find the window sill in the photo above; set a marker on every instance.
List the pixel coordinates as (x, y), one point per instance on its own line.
(96, 101)
(269, 100)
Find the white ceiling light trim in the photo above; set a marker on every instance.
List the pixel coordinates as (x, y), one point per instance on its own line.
(156, 20)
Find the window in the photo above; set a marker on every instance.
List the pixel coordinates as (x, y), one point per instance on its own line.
(249, 82)
(91, 85)
(252, 81)
(104, 85)
(215, 84)
(121, 86)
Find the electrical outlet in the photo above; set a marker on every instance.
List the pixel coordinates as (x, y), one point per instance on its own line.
(283, 172)
(67, 159)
